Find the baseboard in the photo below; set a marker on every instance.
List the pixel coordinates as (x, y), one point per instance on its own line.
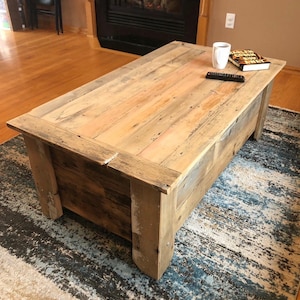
(291, 69)
(74, 29)
(49, 22)
(94, 43)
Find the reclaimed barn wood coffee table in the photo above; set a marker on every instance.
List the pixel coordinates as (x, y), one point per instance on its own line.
(135, 150)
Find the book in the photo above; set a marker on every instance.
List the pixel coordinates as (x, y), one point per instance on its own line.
(248, 60)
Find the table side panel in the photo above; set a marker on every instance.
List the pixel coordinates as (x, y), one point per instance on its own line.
(93, 191)
(213, 161)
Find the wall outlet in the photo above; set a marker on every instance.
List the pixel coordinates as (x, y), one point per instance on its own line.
(229, 22)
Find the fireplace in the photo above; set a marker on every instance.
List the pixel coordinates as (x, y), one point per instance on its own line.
(140, 26)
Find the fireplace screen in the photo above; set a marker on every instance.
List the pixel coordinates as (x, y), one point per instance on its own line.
(171, 6)
(140, 26)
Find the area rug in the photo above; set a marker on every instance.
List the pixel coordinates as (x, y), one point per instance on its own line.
(241, 242)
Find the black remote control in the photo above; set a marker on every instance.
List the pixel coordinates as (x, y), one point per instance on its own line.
(225, 76)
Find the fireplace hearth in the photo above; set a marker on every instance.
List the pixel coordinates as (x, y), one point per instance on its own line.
(140, 26)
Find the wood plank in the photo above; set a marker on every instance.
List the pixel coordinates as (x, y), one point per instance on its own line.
(44, 177)
(214, 125)
(201, 105)
(110, 90)
(157, 102)
(159, 177)
(162, 178)
(94, 192)
(263, 111)
(54, 135)
(141, 95)
(203, 19)
(153, 232)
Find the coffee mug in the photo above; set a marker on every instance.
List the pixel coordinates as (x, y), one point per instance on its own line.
(220, 54)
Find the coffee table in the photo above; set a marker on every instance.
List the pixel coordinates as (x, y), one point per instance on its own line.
(134, 151)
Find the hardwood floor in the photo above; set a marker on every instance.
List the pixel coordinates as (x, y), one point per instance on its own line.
(37, 66)
(286, 90)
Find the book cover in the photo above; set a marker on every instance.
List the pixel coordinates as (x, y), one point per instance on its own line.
(248, 60)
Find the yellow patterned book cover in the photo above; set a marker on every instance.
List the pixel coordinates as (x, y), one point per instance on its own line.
(248, 60)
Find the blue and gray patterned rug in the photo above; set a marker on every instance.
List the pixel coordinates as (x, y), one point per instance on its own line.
(241, 242)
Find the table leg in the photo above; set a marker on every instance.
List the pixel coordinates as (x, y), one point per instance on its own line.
(153, 233)
(263, 111)
(44, 177)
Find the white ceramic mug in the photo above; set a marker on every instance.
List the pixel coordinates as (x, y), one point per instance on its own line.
(220, 54)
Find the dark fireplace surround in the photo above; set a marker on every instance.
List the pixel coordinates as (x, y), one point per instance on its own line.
(140, 26)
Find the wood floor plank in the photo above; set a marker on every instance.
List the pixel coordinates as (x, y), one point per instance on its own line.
(37, 66)
(286, 91)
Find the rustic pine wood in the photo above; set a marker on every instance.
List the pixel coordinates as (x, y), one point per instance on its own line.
(45, 178)
(263, 110)
(26, 81)
(153, 228)
(211, 160)
(135, 150)
(101, 196)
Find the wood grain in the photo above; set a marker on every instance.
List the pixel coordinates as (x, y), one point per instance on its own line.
(135, 150)
(44, 176)
(153, 231)
(37, 66)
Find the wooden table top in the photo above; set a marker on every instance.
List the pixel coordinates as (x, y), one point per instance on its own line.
(151, 118)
